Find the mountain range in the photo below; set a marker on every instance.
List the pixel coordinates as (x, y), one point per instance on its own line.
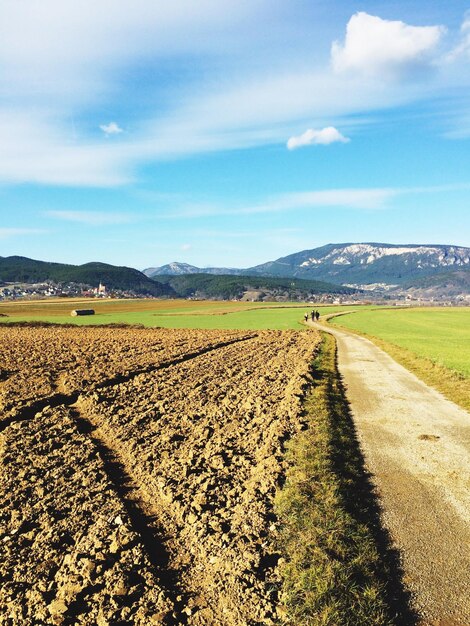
(349, 264)
(334, 268)
(21, 270)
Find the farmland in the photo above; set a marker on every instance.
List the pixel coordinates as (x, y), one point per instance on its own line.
(141, 470)
(138, 473)
(165, 313)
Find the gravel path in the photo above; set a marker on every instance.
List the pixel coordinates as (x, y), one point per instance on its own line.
(416, 444)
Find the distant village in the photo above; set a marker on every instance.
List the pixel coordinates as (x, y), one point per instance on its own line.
(49, 289)
(24, 291)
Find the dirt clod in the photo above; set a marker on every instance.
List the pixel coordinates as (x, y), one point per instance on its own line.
(138, 470)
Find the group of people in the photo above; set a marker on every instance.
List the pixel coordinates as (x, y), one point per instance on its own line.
(315, 315)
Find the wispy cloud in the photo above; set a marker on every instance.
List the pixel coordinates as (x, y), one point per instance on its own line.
(373, 46)
(232, 104)
(368, 199)
(93, 218)
(37, 148)
(329, 198)
(312, 137)
(69, 49)
(462, 49)
(60, 59)
(6, 233)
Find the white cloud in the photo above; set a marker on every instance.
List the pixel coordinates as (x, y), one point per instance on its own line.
(463, 47)
(93, 218)
(6, 233)
(312, 137)
(38, 148)
(111, 129)
(60, 60)
(375, 47)
(186, 246)
(70, 49)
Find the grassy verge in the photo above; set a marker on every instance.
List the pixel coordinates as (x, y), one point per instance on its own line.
(338, 568)
(452, 384)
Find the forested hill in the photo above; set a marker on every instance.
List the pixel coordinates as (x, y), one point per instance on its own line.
(19, 269)
(230, 287)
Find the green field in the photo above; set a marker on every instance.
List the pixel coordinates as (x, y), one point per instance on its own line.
(166, 313)
(441, 335)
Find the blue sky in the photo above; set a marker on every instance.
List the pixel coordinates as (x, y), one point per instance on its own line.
(230, 133)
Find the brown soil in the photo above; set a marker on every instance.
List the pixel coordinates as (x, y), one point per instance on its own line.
(137, 473)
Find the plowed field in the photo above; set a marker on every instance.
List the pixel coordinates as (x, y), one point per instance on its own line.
(138, 470)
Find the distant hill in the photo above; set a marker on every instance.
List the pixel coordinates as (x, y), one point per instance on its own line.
(260, 287)
(351, 264)
(180, 269)
(444, 285)
(16, 269)
(422, 269)
(21, 269)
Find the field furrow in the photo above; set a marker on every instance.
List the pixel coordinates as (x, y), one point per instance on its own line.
(58, 364)
(69, 553)
(179, 451)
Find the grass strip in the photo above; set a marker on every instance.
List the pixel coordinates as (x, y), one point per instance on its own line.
(338, 568)
(453, 385)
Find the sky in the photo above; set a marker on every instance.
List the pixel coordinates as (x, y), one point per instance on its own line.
(231, 133)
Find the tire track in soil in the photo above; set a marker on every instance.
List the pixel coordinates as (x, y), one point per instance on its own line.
(141, 514)
(134, 497)
(68, 399)
(143, 518)
(68, 547)
(206, 575)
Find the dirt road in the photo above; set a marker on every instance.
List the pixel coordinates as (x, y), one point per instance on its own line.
(416, 444)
